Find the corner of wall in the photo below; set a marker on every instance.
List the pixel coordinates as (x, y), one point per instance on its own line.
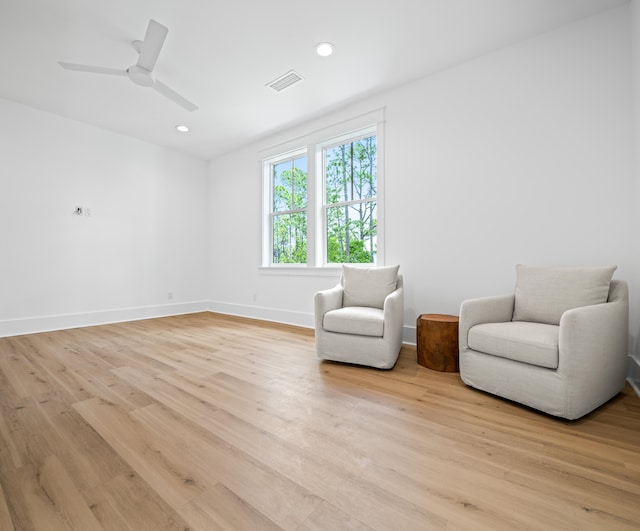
(633, 367)
(633, 373)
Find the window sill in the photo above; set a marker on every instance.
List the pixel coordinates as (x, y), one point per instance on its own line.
(302, 270)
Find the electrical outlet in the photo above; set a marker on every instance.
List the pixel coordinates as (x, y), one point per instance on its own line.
(170, 295)
(78, 211)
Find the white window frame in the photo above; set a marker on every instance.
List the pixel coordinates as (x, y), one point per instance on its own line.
(313, 145)
(321, 205)
(267, 207)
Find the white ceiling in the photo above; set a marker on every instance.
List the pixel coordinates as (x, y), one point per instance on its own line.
(221, 54)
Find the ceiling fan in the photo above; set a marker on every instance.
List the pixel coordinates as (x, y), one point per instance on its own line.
(141, 73)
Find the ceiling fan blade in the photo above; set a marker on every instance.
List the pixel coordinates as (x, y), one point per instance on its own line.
(152, 44)
(94, 69)
(174, 96)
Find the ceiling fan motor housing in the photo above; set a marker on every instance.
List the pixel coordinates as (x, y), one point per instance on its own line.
(140, 76)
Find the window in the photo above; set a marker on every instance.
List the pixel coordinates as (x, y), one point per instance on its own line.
(289, 211)
(349, 175)
(322, 201)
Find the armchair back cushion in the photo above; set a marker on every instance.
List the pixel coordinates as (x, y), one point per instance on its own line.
(368, 286)
(543, 294)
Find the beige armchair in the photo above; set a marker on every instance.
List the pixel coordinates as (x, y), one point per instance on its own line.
(361, 319)
(559, 344)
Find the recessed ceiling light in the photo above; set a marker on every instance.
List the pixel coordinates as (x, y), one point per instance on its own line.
(324, 49)
(182, 128)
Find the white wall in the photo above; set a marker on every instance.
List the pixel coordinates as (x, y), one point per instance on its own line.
(521, 156)
(146, 236)
(634, 362)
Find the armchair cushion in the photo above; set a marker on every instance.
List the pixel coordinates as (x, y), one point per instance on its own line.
(533, 343)
(356, 320)
(368, 286)
(543, 294)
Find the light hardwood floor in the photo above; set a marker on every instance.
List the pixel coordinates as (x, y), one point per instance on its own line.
(206, 422)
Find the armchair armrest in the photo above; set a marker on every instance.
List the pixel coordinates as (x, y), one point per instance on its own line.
(496, 309)
(325, 301)
(592, 357)
(593, 340)
(393, 310)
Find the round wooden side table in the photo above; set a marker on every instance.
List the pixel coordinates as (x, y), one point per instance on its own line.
(437, 341)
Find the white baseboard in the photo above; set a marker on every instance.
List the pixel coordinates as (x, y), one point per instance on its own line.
(633, 374)
(263, 314)
(32, 325)
(409, 335)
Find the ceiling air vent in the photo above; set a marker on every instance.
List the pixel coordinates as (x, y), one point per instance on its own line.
(285, 81)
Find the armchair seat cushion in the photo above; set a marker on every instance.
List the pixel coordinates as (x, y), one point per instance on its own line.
(532, 343)
(358, 320)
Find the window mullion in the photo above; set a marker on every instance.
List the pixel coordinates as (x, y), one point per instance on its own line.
(312, 207)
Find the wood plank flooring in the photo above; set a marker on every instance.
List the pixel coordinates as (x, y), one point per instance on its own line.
(205, 422)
